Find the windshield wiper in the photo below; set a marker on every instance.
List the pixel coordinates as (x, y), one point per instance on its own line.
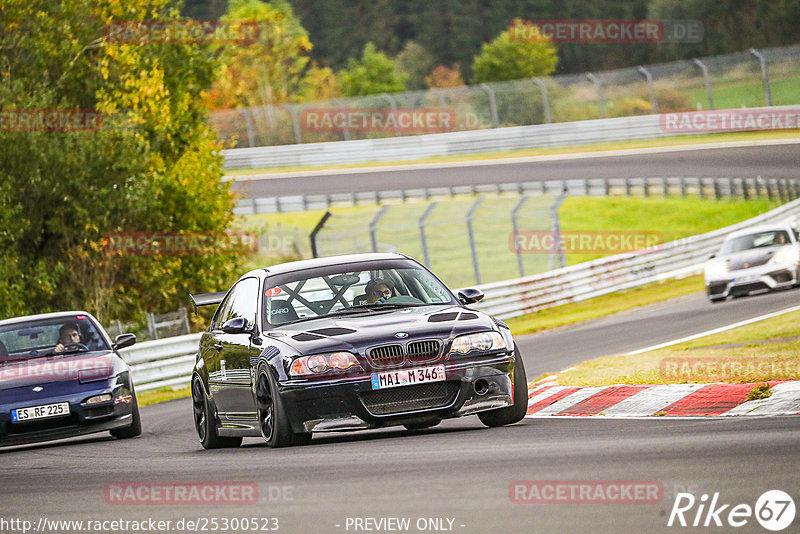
(376, 306)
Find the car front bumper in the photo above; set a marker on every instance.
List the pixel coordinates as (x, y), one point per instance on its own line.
(764, 277)
(471, 386)
(83, 419)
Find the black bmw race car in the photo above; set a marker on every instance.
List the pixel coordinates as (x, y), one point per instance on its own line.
(347, 343)
(61, 376)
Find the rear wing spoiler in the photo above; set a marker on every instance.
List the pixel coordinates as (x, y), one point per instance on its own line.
(207, 299)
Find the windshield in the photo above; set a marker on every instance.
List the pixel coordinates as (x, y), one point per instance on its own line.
(342, 289)
(759, 240)
(21, 341)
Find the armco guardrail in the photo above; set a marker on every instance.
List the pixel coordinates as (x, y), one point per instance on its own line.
(457, 143)
(676, 259)
(169, 362)
(703, 187)
(164, 362)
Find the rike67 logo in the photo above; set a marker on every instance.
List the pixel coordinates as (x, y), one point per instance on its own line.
(774, 510)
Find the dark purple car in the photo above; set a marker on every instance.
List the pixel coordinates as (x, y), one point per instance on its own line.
(61, 376)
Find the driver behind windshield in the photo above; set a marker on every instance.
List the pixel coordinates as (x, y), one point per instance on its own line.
(67, 334)
(379, 291)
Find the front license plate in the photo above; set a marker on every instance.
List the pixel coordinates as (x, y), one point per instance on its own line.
(40, 412)
(407, 377)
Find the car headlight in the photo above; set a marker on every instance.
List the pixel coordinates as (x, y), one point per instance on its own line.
(787, 256)
(97, 399)
(322, 364)
(716, 269)
(485, 341)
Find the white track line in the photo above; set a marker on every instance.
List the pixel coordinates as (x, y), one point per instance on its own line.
(715, 331)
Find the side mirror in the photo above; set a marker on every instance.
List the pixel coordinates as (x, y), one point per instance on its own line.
(470, 295)
(237, 325)
(123, 340)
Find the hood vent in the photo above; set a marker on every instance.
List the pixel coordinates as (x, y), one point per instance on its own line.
(442, 317)
(305, 336)
(333, 331)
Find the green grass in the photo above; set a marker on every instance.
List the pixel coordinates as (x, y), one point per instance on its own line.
(155, 396)
(448, 242)
(785, 91)
(673, 218)
(759, 352)
(603, 305)
(598, 147)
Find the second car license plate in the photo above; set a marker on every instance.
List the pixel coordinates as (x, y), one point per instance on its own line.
(407, 377)
(40, 412)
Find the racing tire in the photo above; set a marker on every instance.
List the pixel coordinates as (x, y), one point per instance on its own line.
(135, 428)
(205, 421)
(272, 419)
(516, 412)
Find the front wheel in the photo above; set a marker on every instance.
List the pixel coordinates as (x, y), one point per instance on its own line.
(272, 419)
(205, 421)
(515, 413)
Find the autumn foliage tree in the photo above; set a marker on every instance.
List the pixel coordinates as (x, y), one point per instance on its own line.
(152, 164)
(511, 58)
(272, 68)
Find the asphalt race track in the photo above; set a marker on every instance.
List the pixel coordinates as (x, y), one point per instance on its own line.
(769, 160)
(458, 470)
(643, 327)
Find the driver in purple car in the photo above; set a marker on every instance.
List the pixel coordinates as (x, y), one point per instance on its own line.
(67, 334)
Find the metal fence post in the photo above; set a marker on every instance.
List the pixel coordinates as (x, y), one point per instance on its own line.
(248, 123)
(601, 108)
(515, 228)
(393, 105)
(764, 75)
(423, 238)
(492, 104)
(298, 134)
(707, 80)
(343, 108)
(545, 99)
(151, 326)
(184, 317)
(471, 234)
(373, 227)
(649, 77)
(558, 245)
(313, 235)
